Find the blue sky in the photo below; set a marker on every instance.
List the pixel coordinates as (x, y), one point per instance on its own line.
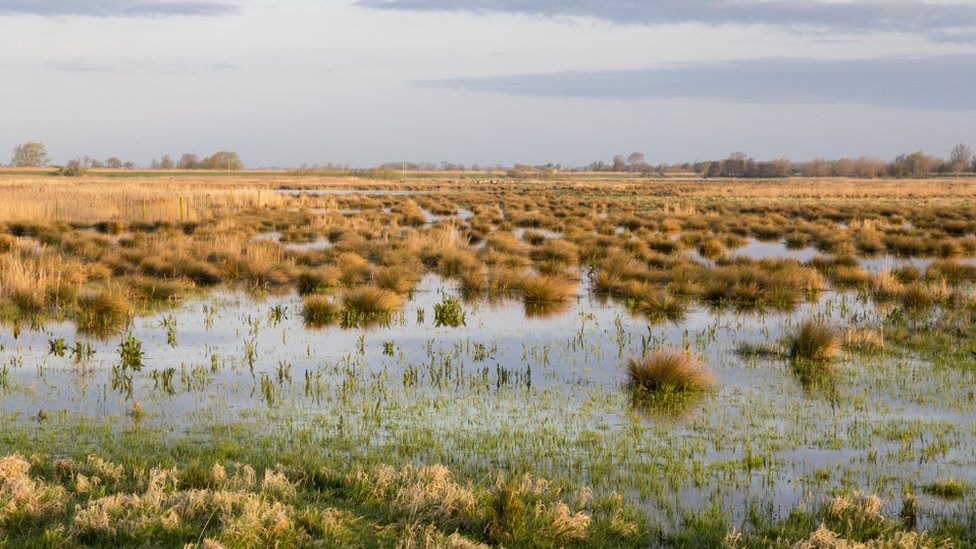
(297, 82)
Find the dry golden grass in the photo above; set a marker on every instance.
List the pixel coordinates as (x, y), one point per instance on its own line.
(668, 370)
(370, 301)
(814, 341)
(538, 289)
(96, 199)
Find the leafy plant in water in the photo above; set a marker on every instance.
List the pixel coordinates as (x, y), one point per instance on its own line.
(277, 314)
(169, 324)
(130, 353)
(82, 351)
(449, 313)
(56, 347)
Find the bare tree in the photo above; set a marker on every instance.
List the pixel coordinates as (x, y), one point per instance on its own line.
(30, 155)
(635, 161)
(960, 158)
(188, 161)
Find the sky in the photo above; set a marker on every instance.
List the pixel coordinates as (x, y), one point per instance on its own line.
(360, 82)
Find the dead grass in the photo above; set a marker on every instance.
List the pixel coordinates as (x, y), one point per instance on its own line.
(539, 289)
(668, 371)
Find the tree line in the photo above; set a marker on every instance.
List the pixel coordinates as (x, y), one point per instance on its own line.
(34, 155)
(917, 164)
(736, 165)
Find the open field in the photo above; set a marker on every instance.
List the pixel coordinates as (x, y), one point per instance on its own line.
(265, 358)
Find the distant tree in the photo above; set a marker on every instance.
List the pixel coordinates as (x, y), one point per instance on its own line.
(75, 168)
(222, 160)
(960, 158)
(815, 168)
(188, 161)
(636, 161)
(843, 167)
(113, 163)
(92, 163)
(166, 163)
(916, 164)
(30, 155)
(619, 164)
(868, 167)
(736, 164)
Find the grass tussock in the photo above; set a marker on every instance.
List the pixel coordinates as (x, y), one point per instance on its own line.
(814, 341)
(103, 311)
(668, 371)
(370, 302)
(319, 310)
(541, 289)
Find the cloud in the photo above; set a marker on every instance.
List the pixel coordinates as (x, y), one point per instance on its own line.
(914, 16)
(935, 82)
(115, 8)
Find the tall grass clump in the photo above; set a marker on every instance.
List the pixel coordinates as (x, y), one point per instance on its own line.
(319, 310)
(318, 280)
(668, 371)
(661, 306)
(103, 311)
(814, 341)
(368, 304)
(547, 289)
(711, 248)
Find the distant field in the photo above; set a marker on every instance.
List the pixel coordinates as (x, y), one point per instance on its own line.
(251, 359)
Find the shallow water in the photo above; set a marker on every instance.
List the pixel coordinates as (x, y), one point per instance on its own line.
(544, 394)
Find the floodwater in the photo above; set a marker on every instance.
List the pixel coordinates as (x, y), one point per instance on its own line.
(544, 392)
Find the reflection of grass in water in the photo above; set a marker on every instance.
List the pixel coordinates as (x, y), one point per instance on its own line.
(669, 405)
(545, 310)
